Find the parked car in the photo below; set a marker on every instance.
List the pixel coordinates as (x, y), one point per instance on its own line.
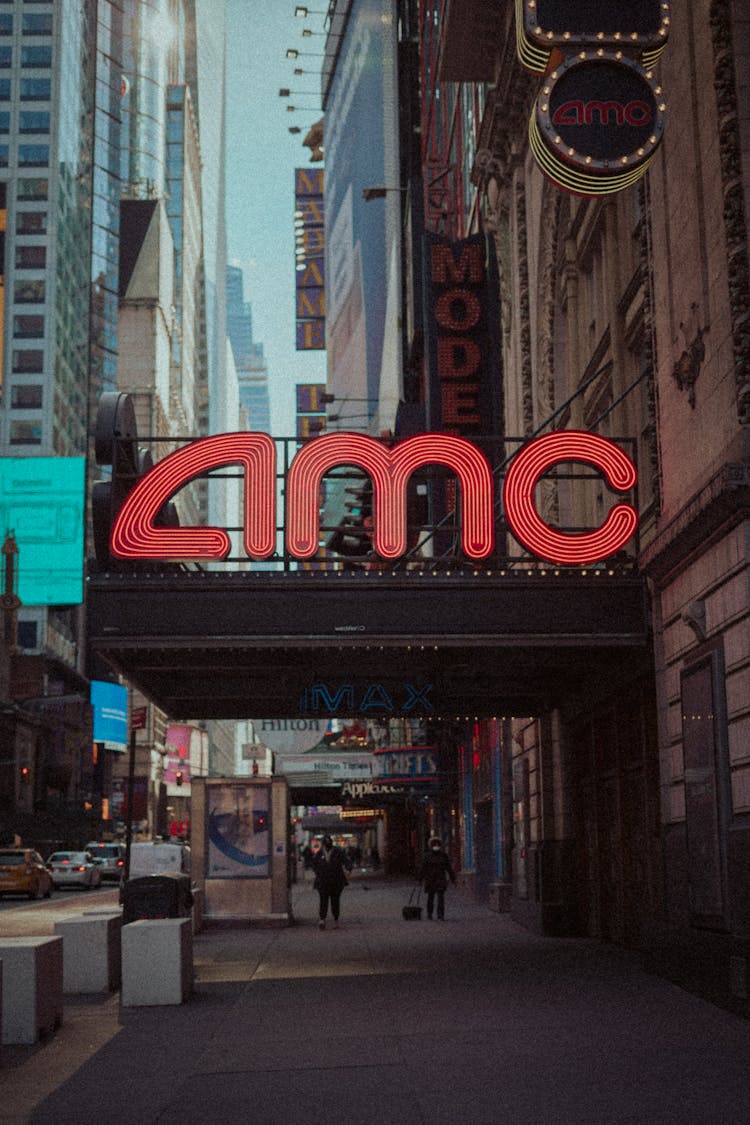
(74, 869)
(110, 857)
(22, 872)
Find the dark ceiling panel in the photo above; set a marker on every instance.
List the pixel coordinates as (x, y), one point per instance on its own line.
(207, 646)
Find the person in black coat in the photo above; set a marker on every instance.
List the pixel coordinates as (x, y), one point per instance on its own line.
(330, 866)
(435, 871)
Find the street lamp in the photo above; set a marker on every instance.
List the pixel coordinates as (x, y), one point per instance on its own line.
(293, 53)
(327, 397)
(301, 12)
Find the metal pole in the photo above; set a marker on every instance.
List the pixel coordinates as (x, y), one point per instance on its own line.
(129, 820)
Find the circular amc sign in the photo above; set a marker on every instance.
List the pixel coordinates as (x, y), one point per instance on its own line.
(597, 123)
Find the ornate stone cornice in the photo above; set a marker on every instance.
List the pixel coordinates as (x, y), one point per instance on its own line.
(709, 515)
(735, 228)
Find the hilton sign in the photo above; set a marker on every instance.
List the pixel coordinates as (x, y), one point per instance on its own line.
(136, 532)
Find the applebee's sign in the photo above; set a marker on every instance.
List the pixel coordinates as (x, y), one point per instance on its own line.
(136, 533)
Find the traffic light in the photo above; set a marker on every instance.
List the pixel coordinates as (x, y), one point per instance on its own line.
(260, 821)
(353, 536)
(25, 775)
(179, 777)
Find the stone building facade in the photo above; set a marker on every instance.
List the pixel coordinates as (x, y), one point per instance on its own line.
(628, 314)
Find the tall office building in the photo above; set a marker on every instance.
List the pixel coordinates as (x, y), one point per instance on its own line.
(48, 166)
(111, 164)
(47, 106)
(249, 360)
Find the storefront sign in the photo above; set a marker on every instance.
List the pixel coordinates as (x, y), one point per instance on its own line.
(345, 699)
(310, 259)
(599, 118)
(135, 534)
(597, 123)
(407, 763)
(461, 357)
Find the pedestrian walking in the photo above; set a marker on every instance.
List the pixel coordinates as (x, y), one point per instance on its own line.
(330, 866)
(435, 871)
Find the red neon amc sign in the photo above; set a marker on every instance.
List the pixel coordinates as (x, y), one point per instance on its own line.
(135, 535)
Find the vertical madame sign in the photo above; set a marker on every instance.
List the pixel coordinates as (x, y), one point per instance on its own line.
(309, 229)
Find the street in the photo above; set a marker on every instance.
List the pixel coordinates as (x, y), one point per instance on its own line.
(473, 1020)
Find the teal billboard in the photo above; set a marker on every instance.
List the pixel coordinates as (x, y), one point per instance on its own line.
(42, 503)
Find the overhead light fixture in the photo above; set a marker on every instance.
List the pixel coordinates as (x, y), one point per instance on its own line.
(378, 192)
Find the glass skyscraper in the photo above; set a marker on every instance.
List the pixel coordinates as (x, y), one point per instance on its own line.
(249, 360)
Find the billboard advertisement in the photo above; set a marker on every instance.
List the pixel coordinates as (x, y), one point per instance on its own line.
(238, 832)
(110, 704)
(363, 257)
(42, 502)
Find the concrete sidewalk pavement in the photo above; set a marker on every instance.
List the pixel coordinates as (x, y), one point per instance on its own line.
(471, 1020)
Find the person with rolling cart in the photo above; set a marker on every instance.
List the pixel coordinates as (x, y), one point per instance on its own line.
(434, 874)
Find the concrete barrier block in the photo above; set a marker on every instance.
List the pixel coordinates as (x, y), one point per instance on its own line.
(32, 987)
(157, 962)
(91, 952)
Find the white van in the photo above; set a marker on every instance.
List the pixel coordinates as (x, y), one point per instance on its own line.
(159, 859)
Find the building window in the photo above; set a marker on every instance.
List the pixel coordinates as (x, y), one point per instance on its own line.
(27, 634)
(26, 396)
(33, 121)
(33, 156)
(29, 292)
(6, 56)
(36, 56)
(40, 24)
(4, 89)
(31, 257)
(31, 189)
(27, 361)
(6, 24)
(4, 121)
(35, 89)
(25, 433)
(3, 156)
(31, 222)
(28, 327)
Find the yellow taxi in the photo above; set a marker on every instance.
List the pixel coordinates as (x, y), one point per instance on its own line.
(22, 872)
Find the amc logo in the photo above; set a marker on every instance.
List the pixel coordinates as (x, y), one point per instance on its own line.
(636, 113)
(136, 533)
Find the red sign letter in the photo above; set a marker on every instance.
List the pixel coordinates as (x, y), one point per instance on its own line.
(523, 475)
(389, 470)
(134, 535)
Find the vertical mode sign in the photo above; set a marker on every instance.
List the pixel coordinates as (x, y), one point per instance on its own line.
(309, 236)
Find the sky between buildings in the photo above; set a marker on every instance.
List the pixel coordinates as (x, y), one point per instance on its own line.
(261, 157)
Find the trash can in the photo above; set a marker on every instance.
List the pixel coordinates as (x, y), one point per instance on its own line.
(156, 896)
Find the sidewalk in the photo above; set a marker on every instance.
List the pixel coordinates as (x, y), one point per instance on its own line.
(470, 1021)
